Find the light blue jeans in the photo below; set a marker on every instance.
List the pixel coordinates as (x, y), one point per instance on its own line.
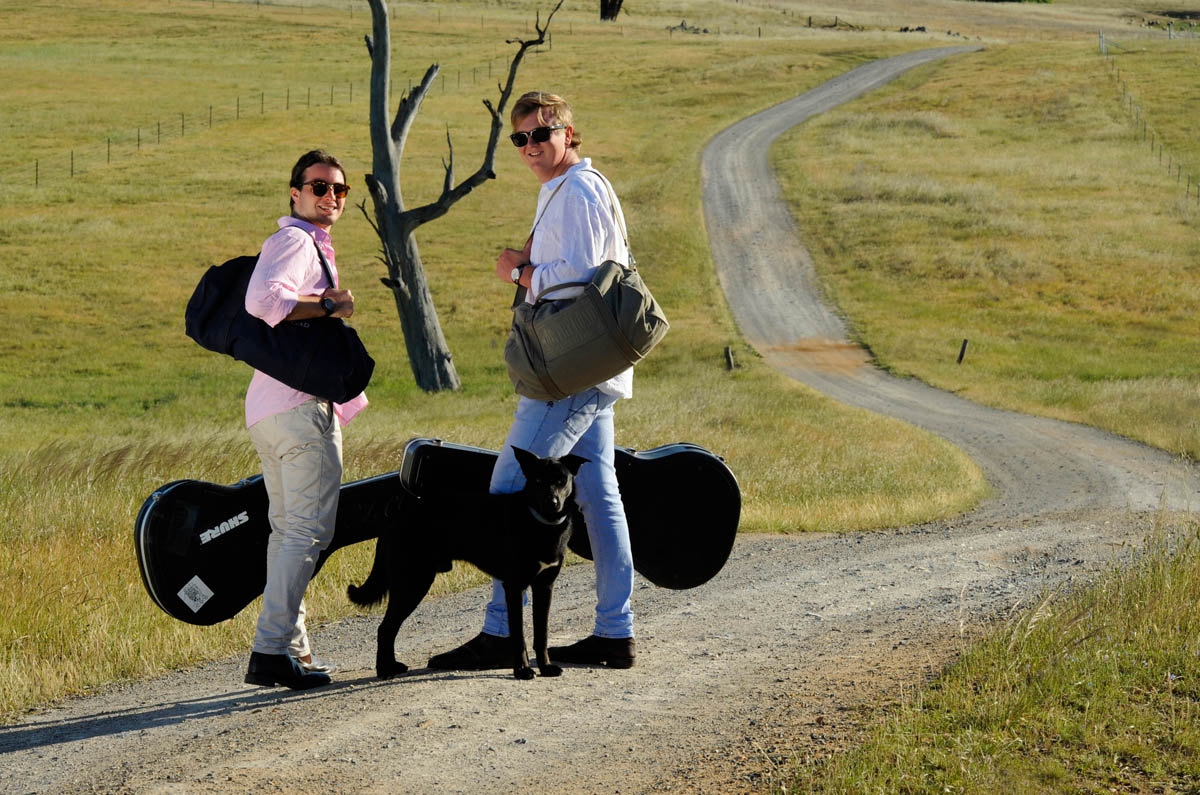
(301, 455)
(581, 424)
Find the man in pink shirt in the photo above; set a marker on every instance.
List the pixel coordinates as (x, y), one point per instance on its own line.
(298, 436)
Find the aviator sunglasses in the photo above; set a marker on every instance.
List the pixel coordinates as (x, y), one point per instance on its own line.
(320, 187)
(539, 135)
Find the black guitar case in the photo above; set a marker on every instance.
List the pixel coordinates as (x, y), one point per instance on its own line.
(201, 547)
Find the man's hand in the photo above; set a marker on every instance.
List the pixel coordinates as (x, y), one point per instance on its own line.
(512, 258)
(344, 300)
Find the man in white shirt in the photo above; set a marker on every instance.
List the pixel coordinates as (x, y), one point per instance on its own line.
(576, 230)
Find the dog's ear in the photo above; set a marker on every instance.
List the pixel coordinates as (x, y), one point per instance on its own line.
(573, 462)
(524, 457)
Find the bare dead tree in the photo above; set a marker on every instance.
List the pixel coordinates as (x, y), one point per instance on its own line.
(609, 9)
(428, 354)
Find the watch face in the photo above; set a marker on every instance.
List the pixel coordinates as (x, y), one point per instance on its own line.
(516, 275)
(329, 305)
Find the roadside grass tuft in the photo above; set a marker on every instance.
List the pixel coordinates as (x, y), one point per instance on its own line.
(1089, 688)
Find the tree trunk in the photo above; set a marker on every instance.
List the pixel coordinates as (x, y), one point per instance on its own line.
(429, 356)
(609, 9)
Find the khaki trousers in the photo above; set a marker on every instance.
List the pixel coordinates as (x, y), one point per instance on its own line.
(301, 454)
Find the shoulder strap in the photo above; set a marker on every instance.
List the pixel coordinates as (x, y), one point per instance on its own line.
(519, 297)
(546, 206)
(612, 198)
(325, 264)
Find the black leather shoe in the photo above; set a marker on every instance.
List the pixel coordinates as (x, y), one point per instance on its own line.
(595, 650)
(483, 652)
(269, 670)
(315, 664)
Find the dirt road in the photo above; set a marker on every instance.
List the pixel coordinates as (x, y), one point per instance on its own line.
(773, 658)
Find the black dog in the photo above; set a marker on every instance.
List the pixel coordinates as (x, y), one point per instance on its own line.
(520, 539)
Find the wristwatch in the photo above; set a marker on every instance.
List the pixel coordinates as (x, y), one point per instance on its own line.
(516, 274)
(329, 305)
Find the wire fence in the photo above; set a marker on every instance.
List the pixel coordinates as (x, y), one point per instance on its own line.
(53, 168)
(129, 142)
(64, 165)
(123, 144)
(1184, 175)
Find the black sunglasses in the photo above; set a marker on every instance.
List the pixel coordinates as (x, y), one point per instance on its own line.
(539, 135)
(320, 187)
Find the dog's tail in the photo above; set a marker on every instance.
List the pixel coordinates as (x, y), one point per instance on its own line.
(376, 586)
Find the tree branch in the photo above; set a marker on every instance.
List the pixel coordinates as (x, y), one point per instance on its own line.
(409, 107)
(487, 169)
(448, 164)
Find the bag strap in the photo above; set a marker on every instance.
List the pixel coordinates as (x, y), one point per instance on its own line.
(545, 207)
(555, 287)
(325, 265)
(612, 200)
(618, 217)
(519, 297)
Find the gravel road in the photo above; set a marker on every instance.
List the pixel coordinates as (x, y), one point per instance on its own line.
(777, 657)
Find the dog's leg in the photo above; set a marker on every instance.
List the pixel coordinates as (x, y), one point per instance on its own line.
(516, 631)
(543, 590)
(408, 588)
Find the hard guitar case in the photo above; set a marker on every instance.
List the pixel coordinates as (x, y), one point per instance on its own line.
(682, 503)
(201, 547)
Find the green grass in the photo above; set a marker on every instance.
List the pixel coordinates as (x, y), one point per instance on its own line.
(1088, 689)
(1065, 256)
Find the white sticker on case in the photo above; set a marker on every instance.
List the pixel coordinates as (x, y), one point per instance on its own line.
(195, 593)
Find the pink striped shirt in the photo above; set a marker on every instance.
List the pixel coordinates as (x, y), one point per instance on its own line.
(288, 267)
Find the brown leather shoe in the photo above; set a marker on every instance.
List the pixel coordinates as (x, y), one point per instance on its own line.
(483, 652)
(595, 650)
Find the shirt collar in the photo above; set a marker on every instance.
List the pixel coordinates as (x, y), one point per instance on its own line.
(585, 162)
(321, 235)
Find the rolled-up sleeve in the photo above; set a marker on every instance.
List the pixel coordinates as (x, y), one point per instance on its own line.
(283, 266)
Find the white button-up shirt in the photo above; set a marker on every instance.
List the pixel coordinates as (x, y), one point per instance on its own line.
(576, 230)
